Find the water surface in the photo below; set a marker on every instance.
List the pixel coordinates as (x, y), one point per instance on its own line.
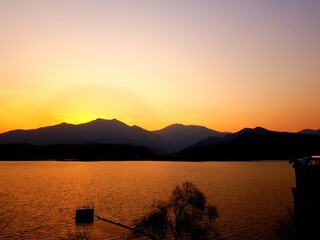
(42, 196)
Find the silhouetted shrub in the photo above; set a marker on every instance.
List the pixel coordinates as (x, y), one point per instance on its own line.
(185, 215)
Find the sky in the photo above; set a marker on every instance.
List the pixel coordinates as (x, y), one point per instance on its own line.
(224, 64)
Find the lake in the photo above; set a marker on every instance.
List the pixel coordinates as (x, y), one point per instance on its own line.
(41, 196)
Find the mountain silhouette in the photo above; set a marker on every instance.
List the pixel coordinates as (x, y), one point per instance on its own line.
(97, 131)
(310, 131)
(181, 136)
(106, 139)
(254, 144)
(245, 133)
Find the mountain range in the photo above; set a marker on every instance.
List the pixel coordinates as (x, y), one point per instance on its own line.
(174, 141)
(97, 131)
(167, 140)
(180, 136)
(310, 131)
(255, 144)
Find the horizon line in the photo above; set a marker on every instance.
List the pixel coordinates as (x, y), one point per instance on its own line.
(115, 119)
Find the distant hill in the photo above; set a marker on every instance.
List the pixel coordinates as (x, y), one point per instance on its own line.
(111, 138)
(167, 140)
(310, 131)
(97, 131)
(254, 144)
(181, 136)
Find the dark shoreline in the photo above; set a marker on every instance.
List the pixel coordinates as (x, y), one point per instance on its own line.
(90, 152)
(136, 160)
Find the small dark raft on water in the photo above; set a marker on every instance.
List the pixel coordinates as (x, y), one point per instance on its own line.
(85, 214)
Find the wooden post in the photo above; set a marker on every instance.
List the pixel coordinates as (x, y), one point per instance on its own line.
(127, 227)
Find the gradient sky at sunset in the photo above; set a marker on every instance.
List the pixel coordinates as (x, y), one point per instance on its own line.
(225, 64)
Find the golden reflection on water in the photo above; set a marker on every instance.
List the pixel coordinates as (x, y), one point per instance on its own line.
(42, 196)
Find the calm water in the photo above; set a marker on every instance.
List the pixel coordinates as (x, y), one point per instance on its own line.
(42, 196)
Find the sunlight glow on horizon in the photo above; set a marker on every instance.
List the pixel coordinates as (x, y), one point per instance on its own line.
(225, 65)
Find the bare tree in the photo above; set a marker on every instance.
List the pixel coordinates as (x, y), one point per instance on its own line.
(185, 215)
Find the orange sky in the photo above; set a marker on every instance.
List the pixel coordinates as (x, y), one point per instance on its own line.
(223, 64)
